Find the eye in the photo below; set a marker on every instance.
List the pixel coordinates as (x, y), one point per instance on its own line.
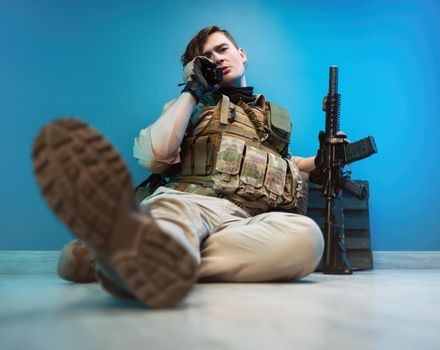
(223, 49)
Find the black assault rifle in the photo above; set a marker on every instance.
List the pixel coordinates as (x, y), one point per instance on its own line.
(329, 173)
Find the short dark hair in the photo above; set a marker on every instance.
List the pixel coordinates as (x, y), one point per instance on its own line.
(195, 46)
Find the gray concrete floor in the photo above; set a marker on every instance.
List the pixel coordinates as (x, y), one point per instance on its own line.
(380, 309)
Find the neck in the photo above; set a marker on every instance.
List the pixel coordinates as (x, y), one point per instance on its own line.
(243, 82)
(238, 83)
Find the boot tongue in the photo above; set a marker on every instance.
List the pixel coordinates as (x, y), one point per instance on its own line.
(246, 94)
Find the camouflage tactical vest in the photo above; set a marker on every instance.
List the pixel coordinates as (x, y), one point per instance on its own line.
(240, 154)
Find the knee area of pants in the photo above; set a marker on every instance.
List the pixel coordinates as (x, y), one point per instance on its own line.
(311, 235)
(314, 234)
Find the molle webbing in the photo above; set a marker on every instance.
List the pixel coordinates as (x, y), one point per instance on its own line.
(253, 118)
(230, 114)
(265, 133)
(224, 110)
(241, 120)
(239, 154)
(202, 188)
(197, 154)
(242, 113)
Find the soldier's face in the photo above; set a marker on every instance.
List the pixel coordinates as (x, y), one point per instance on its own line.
(230, 59)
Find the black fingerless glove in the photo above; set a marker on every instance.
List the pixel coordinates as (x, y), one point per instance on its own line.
(195, 89)
(316, 176)
(197, 83)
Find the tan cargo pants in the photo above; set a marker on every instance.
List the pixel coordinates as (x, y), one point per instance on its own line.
(231, 245)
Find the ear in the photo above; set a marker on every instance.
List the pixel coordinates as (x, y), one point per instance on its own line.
(242, 55)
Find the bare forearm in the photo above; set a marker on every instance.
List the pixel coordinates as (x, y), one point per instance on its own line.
(168, 131)
(306, 164)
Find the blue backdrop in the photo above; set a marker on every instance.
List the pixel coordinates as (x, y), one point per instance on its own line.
(115, 64)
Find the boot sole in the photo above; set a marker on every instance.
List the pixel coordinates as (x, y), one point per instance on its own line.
(87, 184)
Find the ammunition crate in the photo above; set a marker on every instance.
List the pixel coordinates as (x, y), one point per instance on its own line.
(356, 222)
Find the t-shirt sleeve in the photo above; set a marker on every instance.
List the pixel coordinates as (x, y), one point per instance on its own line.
(147, 155)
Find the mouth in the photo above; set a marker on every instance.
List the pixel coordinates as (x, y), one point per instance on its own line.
(226, 70)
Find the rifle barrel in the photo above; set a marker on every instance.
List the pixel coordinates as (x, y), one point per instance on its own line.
(333, 81)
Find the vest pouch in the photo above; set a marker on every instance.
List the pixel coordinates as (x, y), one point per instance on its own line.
(293, 187)
(252, 173)
(275, 178)
(263, 178)
(279, 121)
(227, 167)
(202, 149)
(186, 156)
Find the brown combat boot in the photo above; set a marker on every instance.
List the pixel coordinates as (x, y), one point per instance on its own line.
(87, 184)
(76, 263)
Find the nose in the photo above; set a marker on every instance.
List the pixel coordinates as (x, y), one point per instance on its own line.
(217, 58)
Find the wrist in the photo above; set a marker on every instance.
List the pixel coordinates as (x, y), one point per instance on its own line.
(186, 95)
(196, 90)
